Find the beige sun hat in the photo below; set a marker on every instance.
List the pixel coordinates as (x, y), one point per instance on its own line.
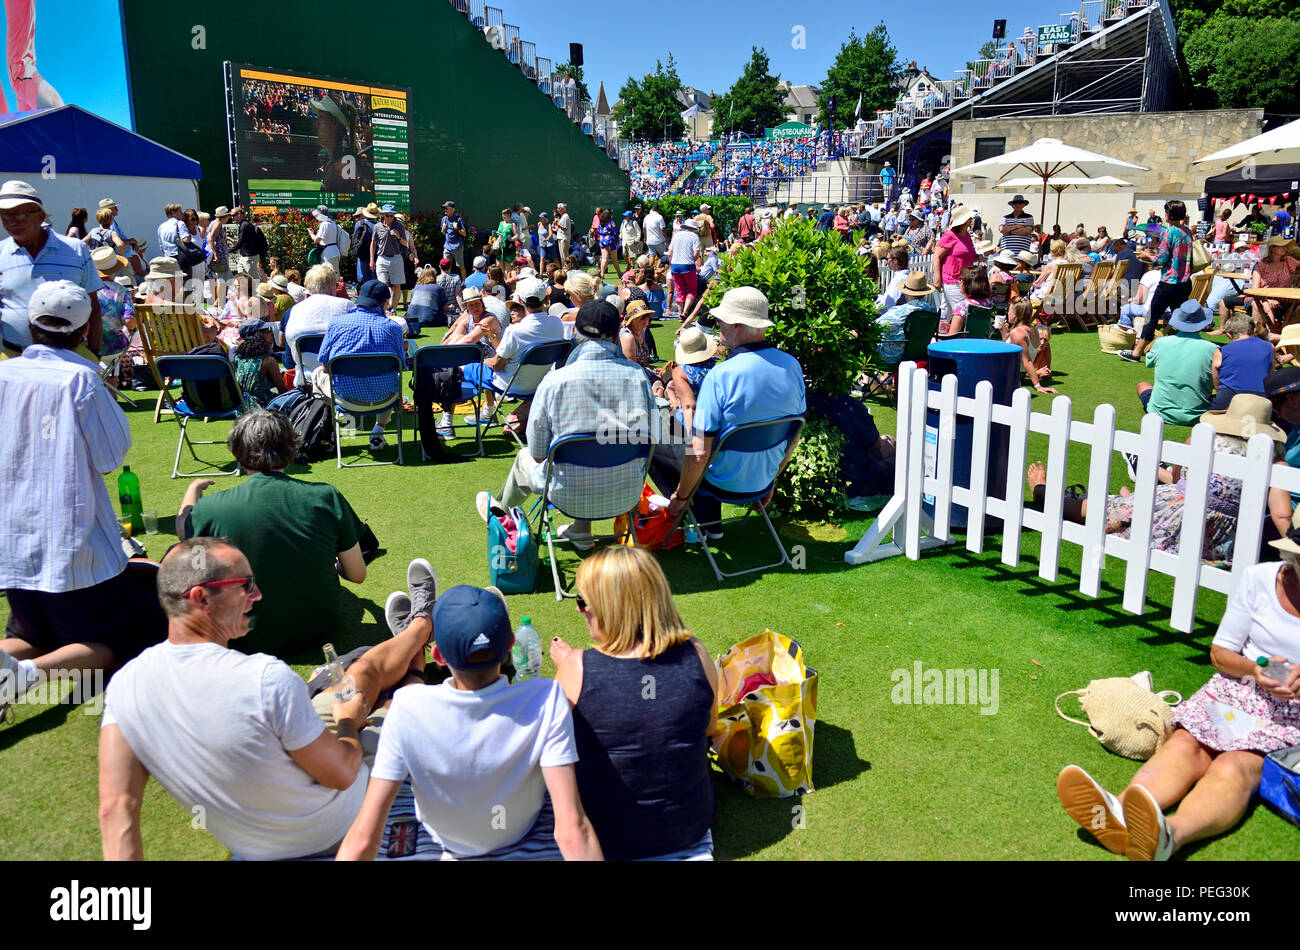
(916, 285)
(960, 215)
(695, 346)
(984, 248)
(221, 212)
(1290, 336)
(635, 309)
(1246, 415)
(106, 260)
(746, 306)
(162, 268)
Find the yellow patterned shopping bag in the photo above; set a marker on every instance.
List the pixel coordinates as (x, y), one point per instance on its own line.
(766, 743)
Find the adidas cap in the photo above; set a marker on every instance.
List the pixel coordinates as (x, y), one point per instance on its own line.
(468, 619)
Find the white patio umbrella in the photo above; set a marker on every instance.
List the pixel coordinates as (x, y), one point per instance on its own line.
(1059, 185)
(1280, 146)
(1045, 160)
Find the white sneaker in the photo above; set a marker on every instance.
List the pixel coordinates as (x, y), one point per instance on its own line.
(1149, 838)
(580, 542)
(13, 683)
(484, 503)
(377, 442)
(1096, 810)
(483, 418)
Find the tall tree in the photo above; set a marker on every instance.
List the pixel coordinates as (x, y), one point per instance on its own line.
(649, 108)
(755, 101)
(867, 66)
(564, 70)
(1246, 63)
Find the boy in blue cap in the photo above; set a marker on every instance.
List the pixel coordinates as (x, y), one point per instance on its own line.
(491, 765)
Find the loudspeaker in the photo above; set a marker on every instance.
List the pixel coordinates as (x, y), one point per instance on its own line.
(575, 54)
(999, 29)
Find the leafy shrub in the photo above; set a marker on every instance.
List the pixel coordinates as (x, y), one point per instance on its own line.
(811, 487)
(819, 296)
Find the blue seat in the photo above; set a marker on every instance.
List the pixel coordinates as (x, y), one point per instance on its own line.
(357, 366)
(590, 450)
(749, 437)
(433, 358)
(308, 355)
(539, 354)
(219, 399)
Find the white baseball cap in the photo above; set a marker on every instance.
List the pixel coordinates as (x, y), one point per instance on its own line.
(15, 193)
(61, 299)
(480, 263)
(531, 288)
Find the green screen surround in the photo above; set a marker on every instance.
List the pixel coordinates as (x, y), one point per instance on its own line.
(481, 133)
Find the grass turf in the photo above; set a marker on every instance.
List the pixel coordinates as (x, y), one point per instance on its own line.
(892, 780)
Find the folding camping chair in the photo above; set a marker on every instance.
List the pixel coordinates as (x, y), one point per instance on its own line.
(539, 354)
(221, 400)
(587, 450)
(749, 437)
(343, 371)
(1092, 299)
(432, 358)
(166, 330)
(1059, 290)
(308, 353)
(978, 325)
(918, 330)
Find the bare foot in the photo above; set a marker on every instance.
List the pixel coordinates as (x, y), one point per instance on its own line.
(559, 651)
(1037, 475)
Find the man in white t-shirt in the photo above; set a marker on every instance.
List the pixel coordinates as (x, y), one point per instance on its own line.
(313, 315)
(655, 238)
(235, 737)
(482, 755)
(563, 229)
(326, 237)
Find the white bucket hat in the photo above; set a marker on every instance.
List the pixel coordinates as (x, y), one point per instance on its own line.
(745, 306)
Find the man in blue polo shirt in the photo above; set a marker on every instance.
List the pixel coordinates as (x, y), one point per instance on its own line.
(32, 255)
(756, 383)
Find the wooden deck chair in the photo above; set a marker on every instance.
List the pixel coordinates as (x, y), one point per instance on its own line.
(1201, 284)
(1116, 293)
(166, 330)
(1092, 299)
(1059, 289)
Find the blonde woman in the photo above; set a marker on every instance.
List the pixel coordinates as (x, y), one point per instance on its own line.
(643, 768)
(1035, 350)
(581, 288)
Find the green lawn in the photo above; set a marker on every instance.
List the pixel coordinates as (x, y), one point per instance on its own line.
(892, 781)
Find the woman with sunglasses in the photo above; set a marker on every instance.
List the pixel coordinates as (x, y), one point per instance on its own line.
(644, 703)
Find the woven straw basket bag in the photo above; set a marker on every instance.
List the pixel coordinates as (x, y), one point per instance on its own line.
(1124, 715)
(1114, 338)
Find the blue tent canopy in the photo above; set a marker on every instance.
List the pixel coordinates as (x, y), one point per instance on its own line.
(85, 144)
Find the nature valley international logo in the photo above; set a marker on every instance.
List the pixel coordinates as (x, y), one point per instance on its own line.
(388, 102)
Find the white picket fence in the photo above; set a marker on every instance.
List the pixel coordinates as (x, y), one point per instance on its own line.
(912, 531)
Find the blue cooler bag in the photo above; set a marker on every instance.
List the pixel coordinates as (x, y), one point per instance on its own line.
(512, 561)
(1279, 785)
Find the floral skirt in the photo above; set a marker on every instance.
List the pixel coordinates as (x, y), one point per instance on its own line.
(1280, 719)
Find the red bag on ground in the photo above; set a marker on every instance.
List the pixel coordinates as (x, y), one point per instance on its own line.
(654, 526)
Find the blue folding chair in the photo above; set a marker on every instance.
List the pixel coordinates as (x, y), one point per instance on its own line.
(587, 450)
(344, 372)
(748, 438)
(308, 357)
(539, 354)
(433, 358)
(209, 392)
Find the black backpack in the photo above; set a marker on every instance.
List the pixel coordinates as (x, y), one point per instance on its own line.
(311, 419)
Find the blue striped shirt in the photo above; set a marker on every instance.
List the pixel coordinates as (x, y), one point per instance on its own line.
(363, 331)
(63, 433)
(60, 259)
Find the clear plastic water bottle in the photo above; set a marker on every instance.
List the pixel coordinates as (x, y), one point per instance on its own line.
(340, 682)
(527, 651)
(1273, 669)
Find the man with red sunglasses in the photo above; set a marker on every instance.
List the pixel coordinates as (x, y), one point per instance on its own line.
(237, 739)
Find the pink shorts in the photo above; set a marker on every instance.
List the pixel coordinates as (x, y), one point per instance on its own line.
(684, 286)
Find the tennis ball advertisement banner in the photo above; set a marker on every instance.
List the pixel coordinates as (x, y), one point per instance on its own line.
(300, 141)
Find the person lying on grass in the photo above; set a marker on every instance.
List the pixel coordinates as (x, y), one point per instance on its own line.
(238, 739)
(1209, 769)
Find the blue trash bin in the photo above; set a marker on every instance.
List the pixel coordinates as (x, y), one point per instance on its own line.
(972, 361)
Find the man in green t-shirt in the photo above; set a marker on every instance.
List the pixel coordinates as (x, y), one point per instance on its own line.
(1184, 364)
(299, 536)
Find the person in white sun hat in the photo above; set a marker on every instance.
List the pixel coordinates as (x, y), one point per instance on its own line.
(756, 383)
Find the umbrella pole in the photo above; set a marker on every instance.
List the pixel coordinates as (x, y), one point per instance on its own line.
(1058, 204)
(1042, 216)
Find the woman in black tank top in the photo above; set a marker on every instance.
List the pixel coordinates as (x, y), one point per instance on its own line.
(644, 707)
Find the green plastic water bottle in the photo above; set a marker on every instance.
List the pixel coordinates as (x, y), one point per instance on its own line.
(128, 495)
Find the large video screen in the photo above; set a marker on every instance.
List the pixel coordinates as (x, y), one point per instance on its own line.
(301, 141)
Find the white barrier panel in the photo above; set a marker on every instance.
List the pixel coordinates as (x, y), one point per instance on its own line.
(903, 527)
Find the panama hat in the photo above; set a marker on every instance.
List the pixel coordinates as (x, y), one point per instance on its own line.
(984, 248)
(371, 212)
(107, 261)
(17, 193)
(1290, 336)
(916, 285)
(1027, 258)
(280, 282)
(1246, 415)
(162, 268)
(695, 346)
(107, 203)
(746, 306)
(1006, 259)
(221, 212)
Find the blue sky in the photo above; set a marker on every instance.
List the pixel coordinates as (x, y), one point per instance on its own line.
(711, 41)
(79, 52)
